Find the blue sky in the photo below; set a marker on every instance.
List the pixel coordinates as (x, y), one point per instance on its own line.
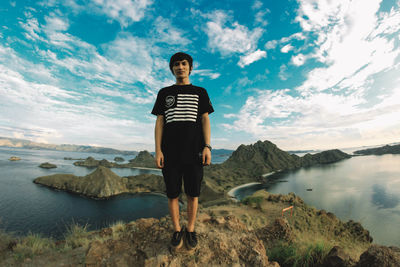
(303, 74)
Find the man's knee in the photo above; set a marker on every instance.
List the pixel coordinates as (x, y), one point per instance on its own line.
(190, 198)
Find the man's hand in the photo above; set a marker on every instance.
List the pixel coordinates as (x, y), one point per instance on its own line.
(206, 156)
(160, 160)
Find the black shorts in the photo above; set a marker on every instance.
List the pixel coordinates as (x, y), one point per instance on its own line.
(192, 175)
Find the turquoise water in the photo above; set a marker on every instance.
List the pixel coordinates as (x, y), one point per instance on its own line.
(364, 189)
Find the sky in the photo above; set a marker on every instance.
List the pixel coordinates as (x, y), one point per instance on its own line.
(302, 74)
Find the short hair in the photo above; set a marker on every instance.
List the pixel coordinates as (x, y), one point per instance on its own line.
(179, 57)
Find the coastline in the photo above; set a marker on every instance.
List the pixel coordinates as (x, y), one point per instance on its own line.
(145, 168)
(232, 192)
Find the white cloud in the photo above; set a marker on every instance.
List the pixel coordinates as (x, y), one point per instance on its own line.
(124, 11)
(227, 37)
(283, 75)
(317, 121)
(251, 57)
(286, 48)
(298, 59)
(257, 4)
(271, 44)
(32, 28)
(207, 73)
(349, 42)
(167, 33)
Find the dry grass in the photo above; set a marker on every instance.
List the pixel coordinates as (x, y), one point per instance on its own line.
(77, 236)
(32, 245)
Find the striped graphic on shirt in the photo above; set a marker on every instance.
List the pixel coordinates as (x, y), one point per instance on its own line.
(185, 110)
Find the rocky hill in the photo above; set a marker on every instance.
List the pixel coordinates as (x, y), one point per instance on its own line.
(102, 183)
(249, 163)
(395, 149)
(144, 159)
(251, 233)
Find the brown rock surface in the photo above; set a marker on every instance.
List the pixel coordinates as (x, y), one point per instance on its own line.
(380, 256)
(337, 257)
(228, 243)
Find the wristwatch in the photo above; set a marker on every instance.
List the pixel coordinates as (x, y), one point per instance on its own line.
(209, 147)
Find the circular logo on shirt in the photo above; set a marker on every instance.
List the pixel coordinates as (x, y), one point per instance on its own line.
(169, 101)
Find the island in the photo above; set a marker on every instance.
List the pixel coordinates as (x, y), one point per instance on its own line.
(143, 160)
(252, 232)
(14, 158)
(47, 165)
(387, 149)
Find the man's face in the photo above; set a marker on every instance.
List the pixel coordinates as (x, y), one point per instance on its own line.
(181, 69)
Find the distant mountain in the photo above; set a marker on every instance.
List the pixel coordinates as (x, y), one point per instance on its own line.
(395, 149)
(21, 143)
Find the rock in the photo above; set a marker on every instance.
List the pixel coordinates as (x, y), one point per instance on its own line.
(91, 163)
(143, 159)
(14, 158)
(119, 159)
(147, 244)
(337, 258)
(47, 165)
(380, 256)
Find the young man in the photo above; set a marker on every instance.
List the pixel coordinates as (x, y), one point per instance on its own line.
(182, 139)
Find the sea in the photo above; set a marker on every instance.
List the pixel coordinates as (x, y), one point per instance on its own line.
(26, 207)
(365, 189)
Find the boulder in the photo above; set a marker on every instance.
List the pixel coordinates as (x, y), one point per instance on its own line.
(380, 256)
(14, 158)
(337, 258)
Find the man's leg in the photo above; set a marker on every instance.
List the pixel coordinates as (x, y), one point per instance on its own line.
(173, 205)
(192, 204)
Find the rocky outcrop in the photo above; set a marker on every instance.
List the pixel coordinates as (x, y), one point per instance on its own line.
(90, 162)
(225, 243)
(102, 183)
(143, 159)
(119, 159)
(337, 257)
(395, 149)
(47, 165)
(380, 256)
(14, 158)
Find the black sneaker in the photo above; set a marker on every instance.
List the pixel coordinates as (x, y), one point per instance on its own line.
(190, 240)
(177, 241)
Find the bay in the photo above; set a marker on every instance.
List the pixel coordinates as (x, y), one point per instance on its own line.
(364, 189)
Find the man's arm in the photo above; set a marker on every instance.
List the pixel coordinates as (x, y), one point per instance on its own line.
(205, 121)
(158, 132)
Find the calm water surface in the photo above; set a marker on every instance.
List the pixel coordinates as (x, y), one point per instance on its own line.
(364, 189)
(25, 206)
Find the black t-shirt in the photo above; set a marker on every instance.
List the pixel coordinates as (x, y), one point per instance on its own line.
(182, 107)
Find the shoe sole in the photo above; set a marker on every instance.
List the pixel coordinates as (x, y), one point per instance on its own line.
(189, 249)
(175, 249)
